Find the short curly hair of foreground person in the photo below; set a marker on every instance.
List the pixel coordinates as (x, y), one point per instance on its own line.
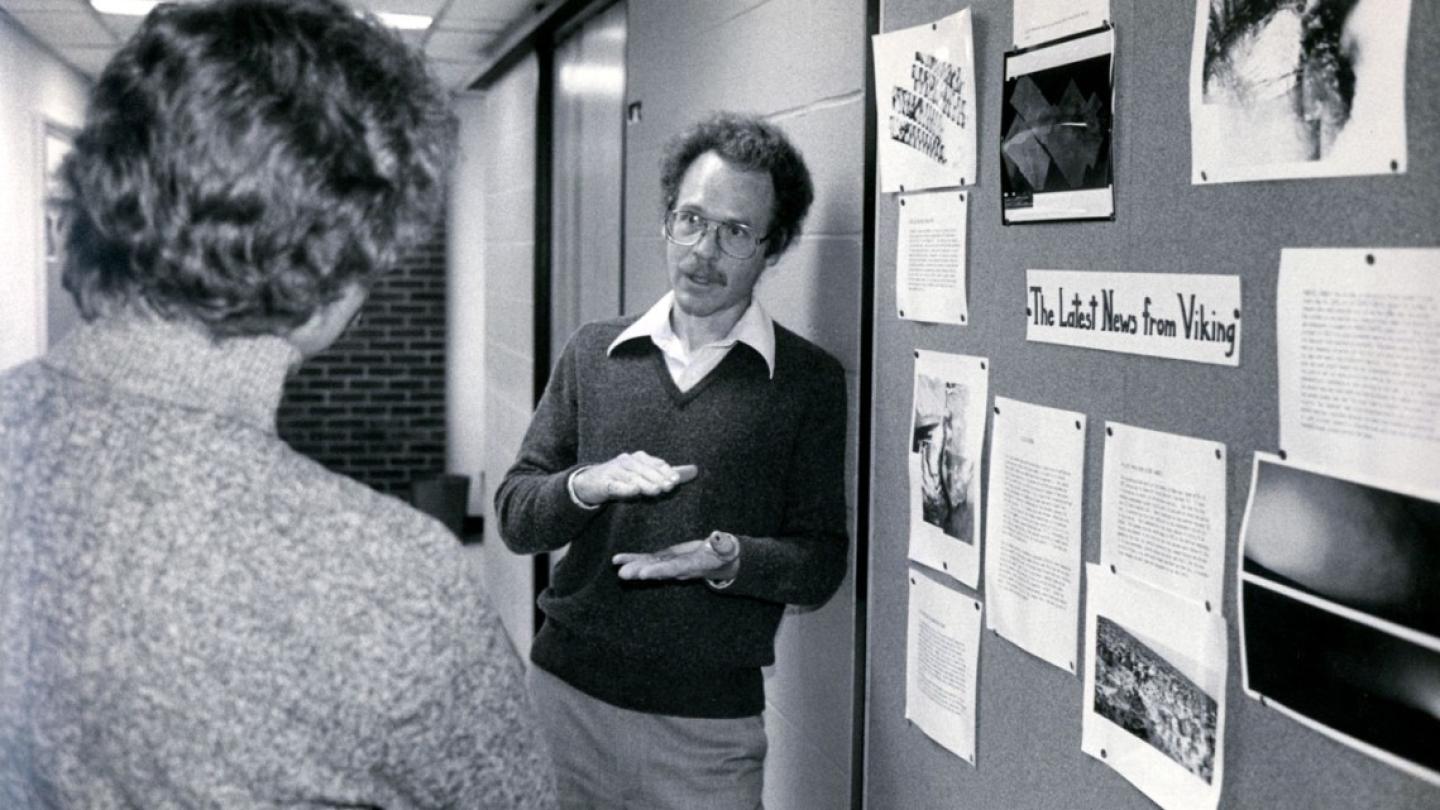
(243, 162)
(748, 143)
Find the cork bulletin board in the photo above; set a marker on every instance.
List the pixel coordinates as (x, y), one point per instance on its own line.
(1028, 726)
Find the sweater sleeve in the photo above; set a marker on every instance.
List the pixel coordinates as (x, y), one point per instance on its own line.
(459, 728)
(806, 561)
(533, 501)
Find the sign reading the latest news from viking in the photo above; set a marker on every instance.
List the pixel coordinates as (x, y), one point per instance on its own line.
(1174, 315)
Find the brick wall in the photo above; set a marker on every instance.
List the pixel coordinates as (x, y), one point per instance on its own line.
(372, 406)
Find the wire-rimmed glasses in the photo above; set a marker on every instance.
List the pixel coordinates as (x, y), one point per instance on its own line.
(687, 228)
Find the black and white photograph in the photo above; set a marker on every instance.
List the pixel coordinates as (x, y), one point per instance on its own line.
(1056, 120)
(1340, 610)
(1298, 88)
(949, 407)
(1154, 700)
(1362, 547)
(1139, 689)
(946, 473)
(1371, 689)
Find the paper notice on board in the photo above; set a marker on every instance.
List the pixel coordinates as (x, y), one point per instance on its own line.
(946, 440)
(1177, 315)
(1358, 346)
(930, 258)
(1038, 21)
(925, 104)
(1282, 89)
(1340, 610)
(1162, 512)
(1155, 690)
(942, 650)
(1032, 535)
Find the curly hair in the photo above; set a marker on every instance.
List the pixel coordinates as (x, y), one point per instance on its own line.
(749, 143)
(243, 162)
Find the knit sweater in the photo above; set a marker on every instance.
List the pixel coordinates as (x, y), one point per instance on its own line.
(771, 457)
(194, 615)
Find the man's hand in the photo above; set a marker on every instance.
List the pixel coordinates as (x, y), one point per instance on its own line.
(629, 475)
(716, 557)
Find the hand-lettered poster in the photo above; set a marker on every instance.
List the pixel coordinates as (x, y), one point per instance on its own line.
(1185, 316)
(925, 100)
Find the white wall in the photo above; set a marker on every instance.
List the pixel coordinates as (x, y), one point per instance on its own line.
(465, 304)
(35, 87)
(801, 64)
(505, 134)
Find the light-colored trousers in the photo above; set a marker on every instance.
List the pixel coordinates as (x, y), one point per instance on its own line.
(608, 757)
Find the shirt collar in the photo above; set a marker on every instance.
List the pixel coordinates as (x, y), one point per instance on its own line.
(755, 329)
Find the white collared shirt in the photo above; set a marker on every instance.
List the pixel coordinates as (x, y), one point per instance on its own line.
(754, 329)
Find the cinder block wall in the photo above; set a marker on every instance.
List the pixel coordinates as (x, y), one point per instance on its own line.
(372, 406)
(801, 64)
(507, 131)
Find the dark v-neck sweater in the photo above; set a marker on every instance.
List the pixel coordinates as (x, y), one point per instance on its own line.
(771, 454)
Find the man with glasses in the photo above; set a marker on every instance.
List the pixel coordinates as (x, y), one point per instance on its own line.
(693, 460)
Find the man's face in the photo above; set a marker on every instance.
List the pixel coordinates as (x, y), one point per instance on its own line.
(706, 280)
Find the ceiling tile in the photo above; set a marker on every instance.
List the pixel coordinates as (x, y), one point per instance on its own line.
(123, 25)
(60, 28)
(429, 8)
(485, 15)
(41, 5)
(90, 61)
(457, 46)
(456, 76)
(508, 9)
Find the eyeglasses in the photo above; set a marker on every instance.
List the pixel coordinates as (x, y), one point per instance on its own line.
(689, 228)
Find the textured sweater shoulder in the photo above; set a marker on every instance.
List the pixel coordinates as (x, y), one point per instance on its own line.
(771, 458)
(192, 614)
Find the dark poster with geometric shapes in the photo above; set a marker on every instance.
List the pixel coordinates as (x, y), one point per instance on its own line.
(1056, 124)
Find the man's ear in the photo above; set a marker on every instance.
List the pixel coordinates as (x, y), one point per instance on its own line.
(772, 258)
(329, 322)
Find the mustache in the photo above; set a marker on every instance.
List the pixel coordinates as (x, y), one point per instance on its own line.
(705, 274)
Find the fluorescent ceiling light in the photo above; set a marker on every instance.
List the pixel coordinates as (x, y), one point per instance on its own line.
(603, 80)
(129, 8)
(139, 8)
(405, 22)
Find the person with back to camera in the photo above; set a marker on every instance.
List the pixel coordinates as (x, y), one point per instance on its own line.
(191, 613)
(693, 460)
